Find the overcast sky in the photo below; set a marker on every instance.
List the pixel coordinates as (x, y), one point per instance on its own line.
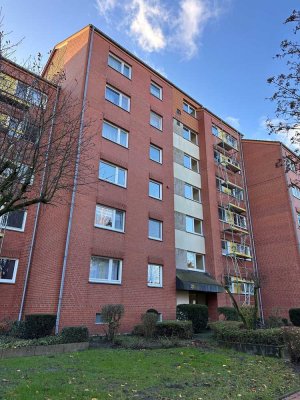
(219, 51)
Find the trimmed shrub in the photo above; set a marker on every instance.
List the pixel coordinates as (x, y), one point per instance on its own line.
(18, 330)
(39, 325)
(275, 322)
(294, 314)
(197, 313)
(149, 321)
(5, 326)
(292, 339)
(111, 315)
(233, 332)
(140, 343)
(138, 330)
(248, 312)
(74, 334)
(180, 329)
(230, 313)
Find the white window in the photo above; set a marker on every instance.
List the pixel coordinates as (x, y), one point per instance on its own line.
(155, 229)
(105, 270)
(115, 134)
(154, 275)
(99, 319)
(298, 219)
(193, 225)
(8, 270)
(119, 65)
(156, 90)
(155, 120)
(241, 286)
(190, 163)
(118, 98)
(155, 154)
(112, 173)
(155, 190)
(109, 218)
(189, 109)
(195, 261)
(296, 192)
(191, 192)
(14, 220)
(190, 135)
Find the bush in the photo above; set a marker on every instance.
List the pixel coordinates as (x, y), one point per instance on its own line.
(180, 329)
(139, 343)
(197, 313)
(18, 330)
(112, 314)
(292, 339)
(149, 321)
(230, 313)
(275, 322)
(74, 334)
(138, 330)
(5, 326)
(294, 314)
(249, 313)
(233, 332)
(39, 325)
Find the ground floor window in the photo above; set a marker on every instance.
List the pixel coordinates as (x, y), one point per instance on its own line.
(105, 270)
(154, 275)
(8, 270)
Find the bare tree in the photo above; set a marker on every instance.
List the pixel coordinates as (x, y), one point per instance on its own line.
(42, 135)
(287, 87)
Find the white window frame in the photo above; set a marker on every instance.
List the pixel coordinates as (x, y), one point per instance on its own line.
(113, 219)
(296, 191)
(195, 261)
(193, 188)
(157, 87)
(121, 95)
(244, 284)
(110, 263)
(191, 110)
(150, 284)
(160, 128)
(123, 64)
(13, 280)
(190, 133)
(4, 224)
(119, 134)
(161, 230)
(160, 189)
(160, 153)
(194, 219)
(116, 177)
(190, 163)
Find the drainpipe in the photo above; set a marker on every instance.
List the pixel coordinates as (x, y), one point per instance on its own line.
(37, 213)
(251, 231)
(66, 253)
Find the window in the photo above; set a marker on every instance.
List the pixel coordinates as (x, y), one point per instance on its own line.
(223, 187)
(8, 270)
(14, 220)
(118, 98)
(241, 286)
(296, 192)
(154, 275)
(109, 218)
(155, 229)
(195, 261)
(191, 192)
(119, 65)
(155, 190)
(189, 109)
(155, 120)
(36, 97)
(193, 225)
(190, 135)
(215, 130)
(21, 90)
(298, 219)
(229, 248)
(115, 134)
(232, 218)
(105, 270)
(112, 173)
(156, 90)
(190, 163)
(155, 154)
(99, 319)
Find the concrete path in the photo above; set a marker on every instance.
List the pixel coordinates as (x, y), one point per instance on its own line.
(295, 396)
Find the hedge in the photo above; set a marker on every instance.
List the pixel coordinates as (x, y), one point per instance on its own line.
(292, 339)
(39, 325)
(229, 313)
(294, 314)
(233, 332)
(74, 334)
(197, 313)
(180, 329)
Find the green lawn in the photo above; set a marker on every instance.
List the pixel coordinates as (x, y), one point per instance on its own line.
(184, 373)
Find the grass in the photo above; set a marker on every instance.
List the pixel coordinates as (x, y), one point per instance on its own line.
(183, 373)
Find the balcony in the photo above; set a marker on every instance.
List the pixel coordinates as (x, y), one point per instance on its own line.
(227, 162)
(225, 141)
(235, 250)
(237, 223)
(11, 91)
(236, 208)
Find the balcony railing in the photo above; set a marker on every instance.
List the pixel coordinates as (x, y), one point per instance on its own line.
(230, 188)
(227, 141)
(236, 222)
(228, 162)
(235, 249)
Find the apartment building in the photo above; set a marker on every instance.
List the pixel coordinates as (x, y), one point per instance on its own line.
(164, 222)
(272, 172)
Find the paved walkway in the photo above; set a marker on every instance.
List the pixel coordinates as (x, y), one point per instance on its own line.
(295, 396)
